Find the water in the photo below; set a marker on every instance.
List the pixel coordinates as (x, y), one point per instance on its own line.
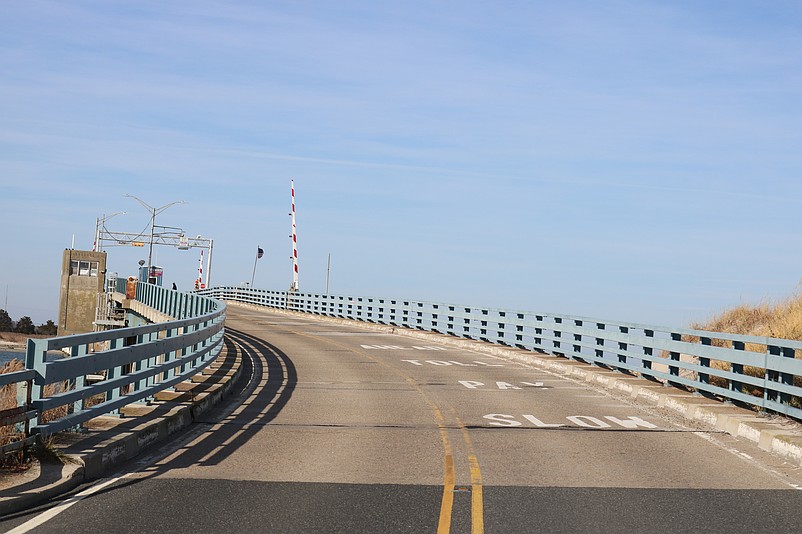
(8, 355)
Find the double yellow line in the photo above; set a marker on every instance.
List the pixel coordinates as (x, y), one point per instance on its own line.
(447, 502)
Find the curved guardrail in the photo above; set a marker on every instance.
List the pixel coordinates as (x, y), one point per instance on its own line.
(108, 370)
(763, 372)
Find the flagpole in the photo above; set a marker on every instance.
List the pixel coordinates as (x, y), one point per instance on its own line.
(254, 265)
(259, 254)
(328, 270)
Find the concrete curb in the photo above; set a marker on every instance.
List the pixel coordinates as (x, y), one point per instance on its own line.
(775, 434)
(114, 446)
(71, 476)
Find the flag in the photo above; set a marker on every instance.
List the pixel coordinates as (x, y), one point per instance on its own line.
(259, 253)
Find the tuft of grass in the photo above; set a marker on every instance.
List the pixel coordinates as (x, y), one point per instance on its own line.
(46, 451)
(782, 320)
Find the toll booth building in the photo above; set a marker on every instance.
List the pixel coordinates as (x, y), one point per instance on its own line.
(155, 276)
(82, 284)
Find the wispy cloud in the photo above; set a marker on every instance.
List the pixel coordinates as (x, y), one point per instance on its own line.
(510, 149)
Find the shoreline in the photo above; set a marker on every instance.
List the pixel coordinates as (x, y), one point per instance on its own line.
(10, 350)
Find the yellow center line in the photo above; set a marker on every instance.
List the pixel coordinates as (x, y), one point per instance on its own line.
(447, 504)
(477, 500)
(477, 504)
(449, 477)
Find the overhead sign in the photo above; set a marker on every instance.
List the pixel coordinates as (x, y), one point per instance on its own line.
(137, 244)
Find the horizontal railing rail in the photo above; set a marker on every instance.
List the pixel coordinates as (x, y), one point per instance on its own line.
(100, 372)
(176, 304)
(763, 372)
(16, 419)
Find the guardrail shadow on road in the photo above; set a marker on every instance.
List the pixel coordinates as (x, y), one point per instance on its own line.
(266, 393)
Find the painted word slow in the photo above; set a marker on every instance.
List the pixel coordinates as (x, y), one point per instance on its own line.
(473, 384)
(583, 421)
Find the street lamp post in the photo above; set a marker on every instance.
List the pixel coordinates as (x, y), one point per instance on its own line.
(100, 225)
(153, 212)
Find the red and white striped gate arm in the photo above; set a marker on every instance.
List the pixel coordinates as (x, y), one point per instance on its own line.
(294, 286)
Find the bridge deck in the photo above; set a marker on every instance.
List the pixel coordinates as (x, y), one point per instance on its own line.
(339, 429)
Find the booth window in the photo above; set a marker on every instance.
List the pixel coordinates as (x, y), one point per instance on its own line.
(83, 268)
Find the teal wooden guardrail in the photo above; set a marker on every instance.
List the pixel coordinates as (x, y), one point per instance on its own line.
(104, 371)
(762, 372)
(16, 419)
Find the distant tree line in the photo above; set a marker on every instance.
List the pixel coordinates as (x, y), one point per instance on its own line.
(25, 325)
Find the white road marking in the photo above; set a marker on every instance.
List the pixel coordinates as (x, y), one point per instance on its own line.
(137, 469)
(447, 363)
(587, 421)
(584, 421)
(540, 424)
(503, 386)
(56, 510)
(630, 422)
(366, 334)
(780, 477)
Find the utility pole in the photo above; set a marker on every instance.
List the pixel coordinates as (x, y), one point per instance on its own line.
(153, 212)
(100, 226)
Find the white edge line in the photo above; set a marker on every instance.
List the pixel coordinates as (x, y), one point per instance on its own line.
(47, 515)
(56, 510)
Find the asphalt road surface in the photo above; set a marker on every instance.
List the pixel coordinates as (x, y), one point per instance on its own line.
(339, 429)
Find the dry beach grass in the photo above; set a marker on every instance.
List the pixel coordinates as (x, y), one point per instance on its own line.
(8, 400)
(17, 339)
(781, 320)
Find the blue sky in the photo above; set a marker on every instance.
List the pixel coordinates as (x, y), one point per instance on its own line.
(625, 160)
